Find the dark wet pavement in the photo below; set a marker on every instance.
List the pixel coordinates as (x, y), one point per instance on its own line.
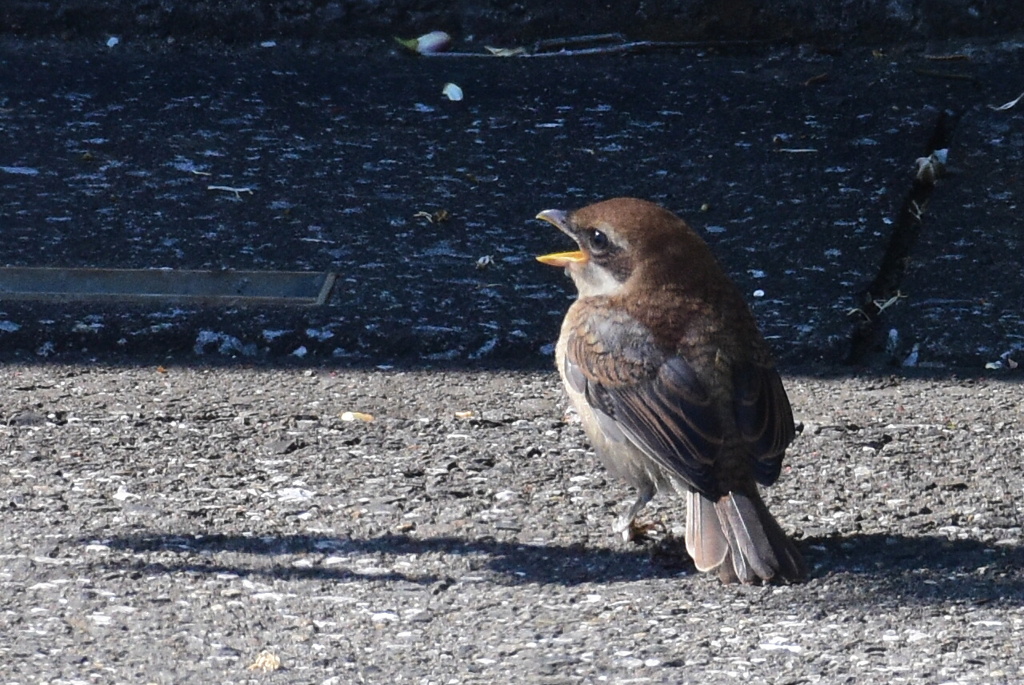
(791, 162)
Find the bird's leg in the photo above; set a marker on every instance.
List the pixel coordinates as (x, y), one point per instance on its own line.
(624, 525)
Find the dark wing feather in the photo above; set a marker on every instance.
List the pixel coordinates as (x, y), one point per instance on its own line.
(764, 418)
(653, 399)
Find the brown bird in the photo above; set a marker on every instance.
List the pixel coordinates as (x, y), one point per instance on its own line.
(673, 382)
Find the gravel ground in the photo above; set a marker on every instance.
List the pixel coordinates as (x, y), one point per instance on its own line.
(190, 522)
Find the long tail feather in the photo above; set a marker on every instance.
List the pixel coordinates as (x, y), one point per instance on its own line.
(753, 556)
(706, 542)
(738, 537)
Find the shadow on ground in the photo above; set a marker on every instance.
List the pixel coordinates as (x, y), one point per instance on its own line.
(922, 569)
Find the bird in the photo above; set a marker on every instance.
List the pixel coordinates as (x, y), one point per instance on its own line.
(674, 384)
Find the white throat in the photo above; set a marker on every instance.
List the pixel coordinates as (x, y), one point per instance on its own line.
(593, 281)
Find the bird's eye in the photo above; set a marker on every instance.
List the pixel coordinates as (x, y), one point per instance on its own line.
(598, 241)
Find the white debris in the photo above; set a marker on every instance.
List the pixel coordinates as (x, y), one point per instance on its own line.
(20, 170)
(427, 44)
(485, 349)
(270, 334)
(1008, 105)
(269, 596)
(1006, 361)
(319, 333)
(777, 644)
(232, 189)
(892, 343)
(452, 92)
(295, 494)
(226, 344)
(911, 359)
(83, 327)
(122, 494)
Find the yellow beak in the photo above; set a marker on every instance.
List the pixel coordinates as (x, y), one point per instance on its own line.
(563, 258)
(558, 219)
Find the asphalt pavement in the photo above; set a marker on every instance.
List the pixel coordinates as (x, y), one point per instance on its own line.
(229, 525)
(189, 490)
(794, 164)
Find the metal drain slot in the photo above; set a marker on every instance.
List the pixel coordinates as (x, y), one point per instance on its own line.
(296, 288)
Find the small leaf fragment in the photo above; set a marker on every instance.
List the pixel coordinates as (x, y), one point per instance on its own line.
(356, 416)
(266, 661)
(407, 43)
(505, 52)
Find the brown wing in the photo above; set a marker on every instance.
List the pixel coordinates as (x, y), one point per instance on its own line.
(764, 417)
(652, 398)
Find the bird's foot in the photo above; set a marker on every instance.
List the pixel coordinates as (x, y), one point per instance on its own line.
(636, 531)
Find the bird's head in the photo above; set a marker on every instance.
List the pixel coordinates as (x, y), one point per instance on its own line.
(624, 239)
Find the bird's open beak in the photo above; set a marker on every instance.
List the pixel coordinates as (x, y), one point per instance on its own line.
(562, 258)
(559, 220)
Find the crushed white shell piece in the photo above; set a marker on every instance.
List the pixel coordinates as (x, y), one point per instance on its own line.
(452, 92)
